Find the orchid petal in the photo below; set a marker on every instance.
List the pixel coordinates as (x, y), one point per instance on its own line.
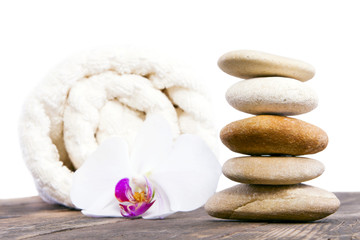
(190, 175)
(149, 190)
(106, 206)
(152, 144)
(123, 191)
(94, 182)
(161, 206)
(135, 210)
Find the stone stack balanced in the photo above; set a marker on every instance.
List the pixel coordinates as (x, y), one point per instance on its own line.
(272, 175)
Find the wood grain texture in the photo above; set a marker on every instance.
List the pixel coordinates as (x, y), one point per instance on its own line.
(30, 218)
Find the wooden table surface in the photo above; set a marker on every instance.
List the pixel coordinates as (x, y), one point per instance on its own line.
(30, 218)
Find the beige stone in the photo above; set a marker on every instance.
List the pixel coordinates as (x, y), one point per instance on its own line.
(273, 135)
(272, 95)
(250, 64)
(266, 203)
(272, 170)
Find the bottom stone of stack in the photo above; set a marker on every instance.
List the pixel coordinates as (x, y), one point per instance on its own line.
(272, 203)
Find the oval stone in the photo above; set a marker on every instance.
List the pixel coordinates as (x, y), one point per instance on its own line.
(272, 170)
(250, 64)
(273, 135)
(272, 203)
(272, 95)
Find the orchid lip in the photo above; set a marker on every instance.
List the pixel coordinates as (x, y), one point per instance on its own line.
(134, 204)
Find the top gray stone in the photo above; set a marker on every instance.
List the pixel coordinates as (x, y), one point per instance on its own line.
(251, 64)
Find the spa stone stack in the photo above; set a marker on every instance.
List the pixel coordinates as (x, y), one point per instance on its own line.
(271, 176)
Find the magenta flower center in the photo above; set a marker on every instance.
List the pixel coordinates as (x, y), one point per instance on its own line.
(134, 203)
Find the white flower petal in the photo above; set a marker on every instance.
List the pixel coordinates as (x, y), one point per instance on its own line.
(161, 206)
(94, 182)
(152, 144)
(106, 206)
(190, 174)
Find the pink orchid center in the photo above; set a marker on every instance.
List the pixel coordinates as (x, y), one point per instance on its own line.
(134, 203)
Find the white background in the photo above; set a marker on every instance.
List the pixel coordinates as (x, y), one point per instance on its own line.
(36, 35)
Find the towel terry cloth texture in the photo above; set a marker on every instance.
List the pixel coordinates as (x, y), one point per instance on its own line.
(98, 94)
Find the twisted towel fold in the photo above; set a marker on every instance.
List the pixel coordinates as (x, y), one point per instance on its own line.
(96, 95)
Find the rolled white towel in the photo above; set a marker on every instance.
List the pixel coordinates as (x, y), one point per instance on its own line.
(98, 94)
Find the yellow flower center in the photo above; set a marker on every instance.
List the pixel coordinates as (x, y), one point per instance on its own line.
(139, 196)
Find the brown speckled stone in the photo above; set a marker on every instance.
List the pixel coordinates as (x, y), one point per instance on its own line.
(272, 170)
(273, 135)
(278, 203)
(251, 64)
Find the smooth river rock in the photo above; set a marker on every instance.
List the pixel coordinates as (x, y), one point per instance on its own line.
(272, 170)
(272, 95)
(272, 203)
(250, 64)
(273, 135)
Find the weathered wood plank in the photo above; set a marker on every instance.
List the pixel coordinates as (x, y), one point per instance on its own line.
(30, 218)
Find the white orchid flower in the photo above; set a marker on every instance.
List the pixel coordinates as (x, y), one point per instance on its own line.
(158, 179)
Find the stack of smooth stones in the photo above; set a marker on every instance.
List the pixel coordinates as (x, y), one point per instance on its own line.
(271, 177)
